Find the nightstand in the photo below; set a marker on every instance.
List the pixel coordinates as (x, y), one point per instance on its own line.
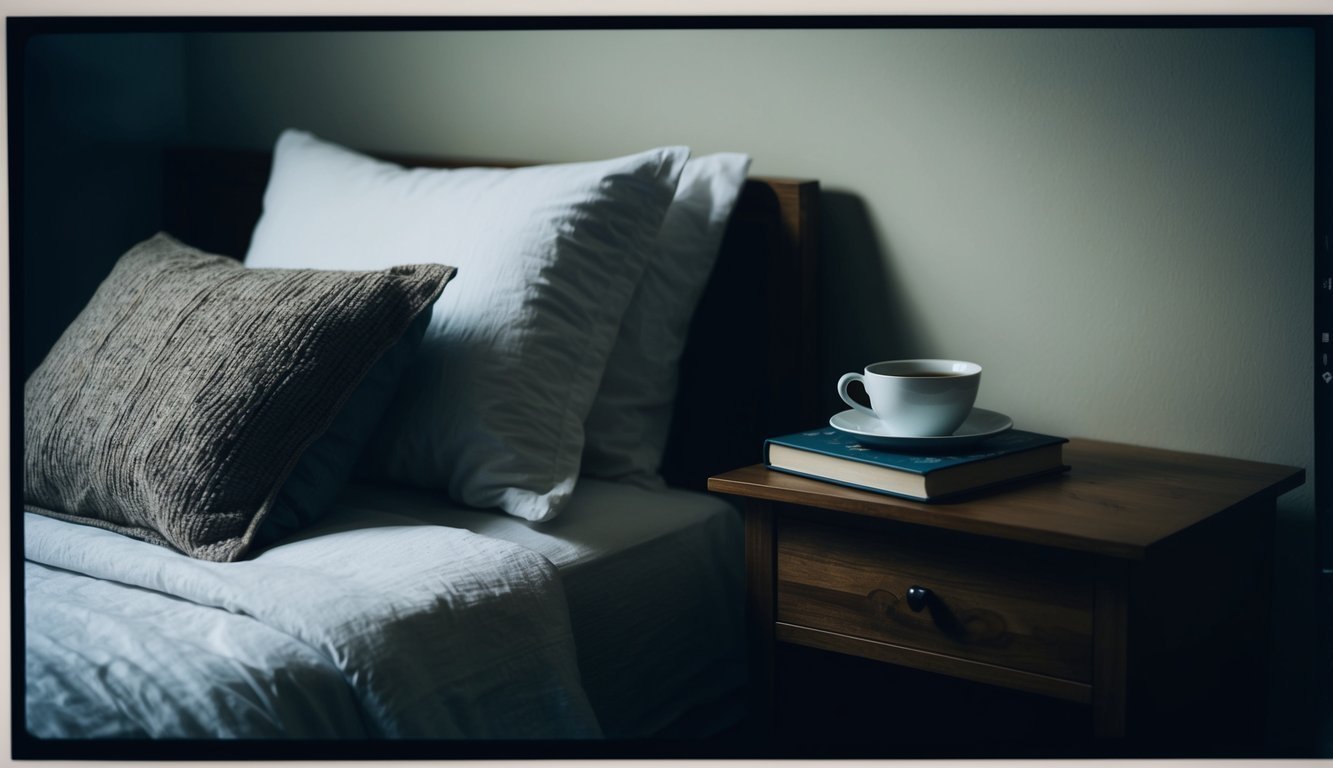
(1136, 584)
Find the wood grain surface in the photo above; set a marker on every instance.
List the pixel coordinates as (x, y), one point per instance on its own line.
(1116, 500)
(1032, 613)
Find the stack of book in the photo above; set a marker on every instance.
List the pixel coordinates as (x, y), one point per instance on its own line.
(827, 454)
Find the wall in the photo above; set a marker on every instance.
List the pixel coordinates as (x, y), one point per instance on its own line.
(1115, 223)
(97, 110)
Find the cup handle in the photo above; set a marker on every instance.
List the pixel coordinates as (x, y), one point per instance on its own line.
(846, 379)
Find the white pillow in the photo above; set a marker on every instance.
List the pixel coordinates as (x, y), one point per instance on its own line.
(493, 408)
(627, 428)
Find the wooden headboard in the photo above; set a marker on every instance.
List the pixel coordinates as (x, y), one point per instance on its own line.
(750, 367)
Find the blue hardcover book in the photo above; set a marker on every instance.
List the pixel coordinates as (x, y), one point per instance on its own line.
(827, 454)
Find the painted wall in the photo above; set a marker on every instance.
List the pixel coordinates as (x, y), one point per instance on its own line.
(1116, 224)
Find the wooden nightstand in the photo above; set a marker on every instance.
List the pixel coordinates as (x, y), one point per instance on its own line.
(1136, 584)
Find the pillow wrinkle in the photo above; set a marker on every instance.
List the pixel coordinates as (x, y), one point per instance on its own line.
(627, 427)
(549, 256)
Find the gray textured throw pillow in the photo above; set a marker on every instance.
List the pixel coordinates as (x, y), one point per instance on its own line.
(177, 402)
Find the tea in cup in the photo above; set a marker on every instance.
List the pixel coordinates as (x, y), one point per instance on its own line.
(917, 398)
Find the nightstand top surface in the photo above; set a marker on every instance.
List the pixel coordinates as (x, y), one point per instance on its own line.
(1116, 499)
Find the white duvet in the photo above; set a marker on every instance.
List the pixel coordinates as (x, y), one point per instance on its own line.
(385, 628)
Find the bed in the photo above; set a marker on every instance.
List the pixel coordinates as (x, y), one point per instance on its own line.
(411, 609)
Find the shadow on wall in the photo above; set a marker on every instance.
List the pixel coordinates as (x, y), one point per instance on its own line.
(865, 315)
(96, 111)
(82, 210)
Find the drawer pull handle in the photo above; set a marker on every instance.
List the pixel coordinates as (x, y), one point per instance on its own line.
(917, 597)
(920, 598)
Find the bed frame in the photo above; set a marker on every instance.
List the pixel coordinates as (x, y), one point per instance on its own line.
(750, 366)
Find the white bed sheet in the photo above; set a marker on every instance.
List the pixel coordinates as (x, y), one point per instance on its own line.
(152, 652)
(434, 632)
(654, 580)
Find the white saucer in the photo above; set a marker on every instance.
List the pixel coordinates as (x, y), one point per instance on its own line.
(869, 430)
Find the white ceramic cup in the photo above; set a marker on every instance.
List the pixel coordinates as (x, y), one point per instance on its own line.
(917, 398)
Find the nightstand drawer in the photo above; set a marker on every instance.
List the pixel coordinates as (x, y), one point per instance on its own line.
(1019, 608)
